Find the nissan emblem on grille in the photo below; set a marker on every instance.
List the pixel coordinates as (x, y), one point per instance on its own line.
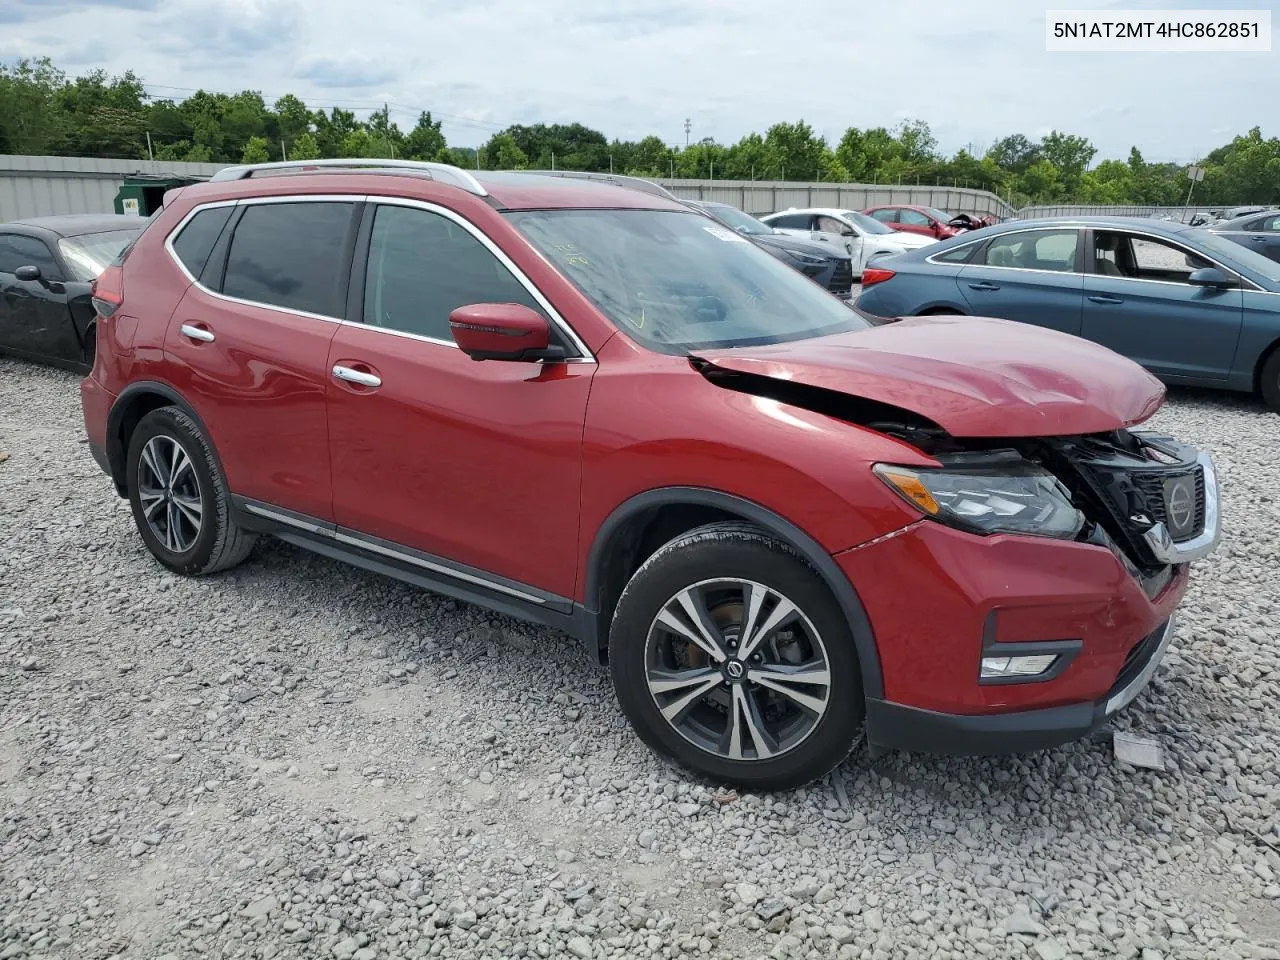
(1180, 506)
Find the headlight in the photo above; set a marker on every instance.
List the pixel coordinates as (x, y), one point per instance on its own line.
(1004, 497)
(805, 258)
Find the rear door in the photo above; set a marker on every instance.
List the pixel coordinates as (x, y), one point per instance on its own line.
(1032, 276)
(1262, 235)
(1138, 302)
(473, 466)
(34, 319)
(795, 224)
(249, 342)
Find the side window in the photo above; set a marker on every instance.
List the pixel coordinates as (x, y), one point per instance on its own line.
(1034, 250)
(914, 217)
(1269, 225)
(886, 215)
(290, 255)
(194, 244)
(828, 225)
(791, 221)
(18, 251)
(1163, 261)
(423, 266)
(960, 254)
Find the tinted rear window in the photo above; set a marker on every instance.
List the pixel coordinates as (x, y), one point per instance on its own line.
(290, 255)
(195, 242)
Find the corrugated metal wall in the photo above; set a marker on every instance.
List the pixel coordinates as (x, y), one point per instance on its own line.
(45, 186)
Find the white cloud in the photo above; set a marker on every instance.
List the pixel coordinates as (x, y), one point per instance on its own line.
(974, 71)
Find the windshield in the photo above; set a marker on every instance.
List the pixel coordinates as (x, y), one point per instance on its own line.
(1240, 257)
(88, 254)
(677, 283)
(735, 218)
(864, 223)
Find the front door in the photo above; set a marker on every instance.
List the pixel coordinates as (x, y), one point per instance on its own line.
(1031, 276)
(34, 319)
(1138, 302)
(475, 463)
(250, 352)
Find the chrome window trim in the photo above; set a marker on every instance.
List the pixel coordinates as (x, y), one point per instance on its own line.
(585, 354)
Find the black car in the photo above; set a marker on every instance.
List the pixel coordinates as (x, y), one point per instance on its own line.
(46, 267)
(815, 260)
(1258, 231)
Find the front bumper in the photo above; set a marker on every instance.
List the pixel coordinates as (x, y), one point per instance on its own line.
(896, 726)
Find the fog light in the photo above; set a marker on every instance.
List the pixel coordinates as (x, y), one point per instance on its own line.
(1031, 666)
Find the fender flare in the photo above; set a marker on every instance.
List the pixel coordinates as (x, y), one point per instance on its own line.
(116, 448)
(808, 548)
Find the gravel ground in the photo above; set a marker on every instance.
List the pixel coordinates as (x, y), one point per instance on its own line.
(297, 759)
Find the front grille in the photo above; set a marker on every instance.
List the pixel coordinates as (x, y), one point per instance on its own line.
(1152, 487)
(841, 279)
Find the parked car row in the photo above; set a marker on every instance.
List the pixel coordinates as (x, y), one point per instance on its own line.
(585, 404)
(1188, 304)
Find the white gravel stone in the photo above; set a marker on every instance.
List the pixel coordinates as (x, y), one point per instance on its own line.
(149, 724)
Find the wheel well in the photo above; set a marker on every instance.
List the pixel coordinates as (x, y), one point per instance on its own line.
(634, 541)
(1266, 355)
(940, 312)
(131, 411)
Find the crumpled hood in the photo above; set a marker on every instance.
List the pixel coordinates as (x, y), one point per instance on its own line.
(973, 376)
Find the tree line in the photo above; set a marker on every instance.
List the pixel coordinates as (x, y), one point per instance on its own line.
(44, 112)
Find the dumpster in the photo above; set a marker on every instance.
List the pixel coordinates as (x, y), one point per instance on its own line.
(142, 194)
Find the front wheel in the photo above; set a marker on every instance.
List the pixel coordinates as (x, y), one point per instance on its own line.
(730, 656)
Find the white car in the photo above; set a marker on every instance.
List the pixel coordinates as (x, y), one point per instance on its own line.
(863, 237)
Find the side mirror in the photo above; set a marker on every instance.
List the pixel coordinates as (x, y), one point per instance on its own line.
(848, 232)
(1210, 277)
(27, 273)
(503, 331)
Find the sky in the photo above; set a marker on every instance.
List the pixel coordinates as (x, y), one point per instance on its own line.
(974, 70)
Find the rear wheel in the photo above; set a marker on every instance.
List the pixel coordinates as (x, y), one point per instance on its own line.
(730, 656)
(180, 504)
(1269, 380)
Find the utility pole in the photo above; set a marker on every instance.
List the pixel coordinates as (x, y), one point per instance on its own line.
(283, 153)
(688, 125)
(150, 154)
(553, 159)
(611, 163)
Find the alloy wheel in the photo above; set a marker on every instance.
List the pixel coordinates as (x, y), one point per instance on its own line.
(737, 669)
(169, 494)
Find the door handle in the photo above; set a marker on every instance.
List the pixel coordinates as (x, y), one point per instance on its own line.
(1258, 239)
(192, 332)
(1101, 299)
(352, 375)
(984, 285)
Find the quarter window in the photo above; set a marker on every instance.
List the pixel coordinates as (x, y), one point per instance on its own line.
(960, 254)
(423, 266)
(17, 251)
(1034, 250)
(291, 255)
(194, 244)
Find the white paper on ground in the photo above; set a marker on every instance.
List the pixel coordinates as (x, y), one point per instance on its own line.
(1138, 751)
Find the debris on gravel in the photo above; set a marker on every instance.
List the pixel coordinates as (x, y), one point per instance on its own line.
(296, 759)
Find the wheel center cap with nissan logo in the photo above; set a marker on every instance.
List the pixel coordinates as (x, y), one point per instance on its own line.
(735, 669)
(1180, 505)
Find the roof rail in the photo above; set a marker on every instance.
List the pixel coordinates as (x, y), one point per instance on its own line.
(631, 183)
(444, 172)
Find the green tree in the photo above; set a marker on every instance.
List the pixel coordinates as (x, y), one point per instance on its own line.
(29, 118)
(796, 149)
(257, 150)
(425, 141)
(305, 148)
(503, 153)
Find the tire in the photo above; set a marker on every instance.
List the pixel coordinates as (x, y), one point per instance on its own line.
(1269, 381)
(171, 532)
(718, 564)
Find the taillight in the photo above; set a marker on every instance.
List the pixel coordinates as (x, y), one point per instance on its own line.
(872, 275)
(108, 290)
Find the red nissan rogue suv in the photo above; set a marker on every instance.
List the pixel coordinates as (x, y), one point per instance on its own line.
(574, 400)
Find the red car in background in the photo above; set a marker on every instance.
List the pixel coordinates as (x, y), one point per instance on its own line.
(928, 221)
(784, 523)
